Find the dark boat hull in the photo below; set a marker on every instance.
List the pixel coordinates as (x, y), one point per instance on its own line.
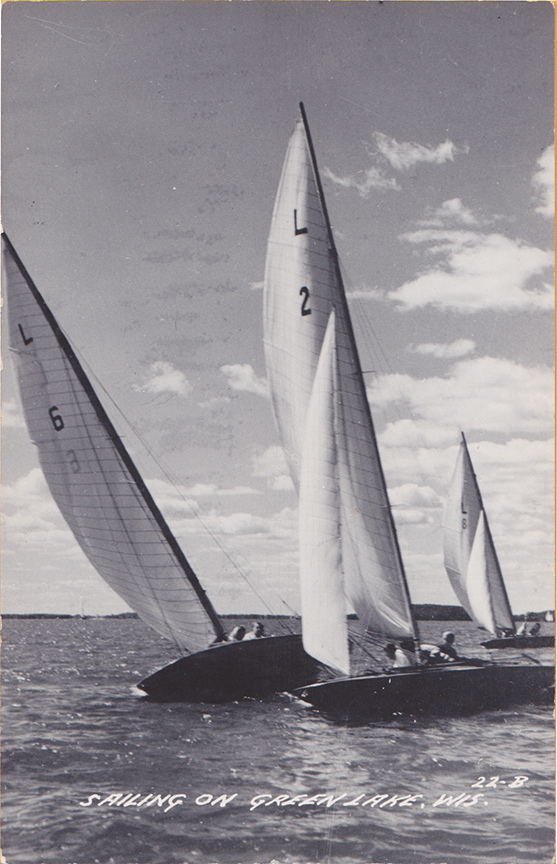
(521, 642)
(233, 670)
(442, 690)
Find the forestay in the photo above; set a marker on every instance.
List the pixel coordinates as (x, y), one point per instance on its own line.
(92, 478)
(302, 287)
(470, 557)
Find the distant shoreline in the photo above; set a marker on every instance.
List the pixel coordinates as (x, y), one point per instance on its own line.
(422, 612)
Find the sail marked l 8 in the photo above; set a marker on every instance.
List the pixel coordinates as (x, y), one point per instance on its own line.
(93, 479)
(470, 558)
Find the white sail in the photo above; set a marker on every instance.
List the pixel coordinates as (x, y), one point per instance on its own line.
(303, 286)
(325, 631)
(300, 287)
(477, 580)
(92, 478)
(470, 557)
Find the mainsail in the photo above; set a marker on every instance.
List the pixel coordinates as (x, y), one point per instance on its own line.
(470, 557)
(93, 479)
(303, 287)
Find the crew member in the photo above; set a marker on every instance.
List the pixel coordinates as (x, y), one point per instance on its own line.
(408, 649)
(447, 645)
(398, 658)
(431, 655)
(257, 632)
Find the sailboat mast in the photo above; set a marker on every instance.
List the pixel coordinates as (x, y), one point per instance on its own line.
(350, 330)
(119, 446)
(487, 529)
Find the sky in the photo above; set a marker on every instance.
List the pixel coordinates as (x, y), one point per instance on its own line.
(142, 148)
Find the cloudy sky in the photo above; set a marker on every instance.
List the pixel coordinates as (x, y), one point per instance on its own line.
(142, 148)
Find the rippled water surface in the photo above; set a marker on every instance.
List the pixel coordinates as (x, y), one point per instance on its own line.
(73, 729)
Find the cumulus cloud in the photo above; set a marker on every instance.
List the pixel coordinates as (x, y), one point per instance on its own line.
(241, 376)
(43, 551)
(215, 400)
(31, 518)
(484, 393)
(238, 524)
(544, 183)
(416, 433)
(178, 501)
(452, 210)
(163, 377)
(271, 464)
(477, 271)
(203, 490)
(403, 156)
(364, 181)
(445, 350)
(412, 503)
(365, 293)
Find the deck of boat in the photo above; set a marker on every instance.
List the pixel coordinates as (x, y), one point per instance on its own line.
(232, 670)
(453, 689)
(521, 642)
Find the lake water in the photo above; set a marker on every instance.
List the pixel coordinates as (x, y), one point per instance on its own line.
(76, 733)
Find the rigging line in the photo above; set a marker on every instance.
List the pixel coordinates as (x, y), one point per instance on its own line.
(183, 497)
(421, 475)
(362, 649)
(375, 346)
(292, 611)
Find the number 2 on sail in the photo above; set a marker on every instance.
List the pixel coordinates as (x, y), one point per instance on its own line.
(304, 292)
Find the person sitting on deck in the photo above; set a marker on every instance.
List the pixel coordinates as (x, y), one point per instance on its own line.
(257, 632)
(398, 658)
(408, 649)
(521, 630)
(237, 634)
(447, 645)
(431, 655)
(535, 629)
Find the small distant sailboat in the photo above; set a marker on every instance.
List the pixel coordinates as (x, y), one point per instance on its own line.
(471, 561)
(349, 551)
(117, 523)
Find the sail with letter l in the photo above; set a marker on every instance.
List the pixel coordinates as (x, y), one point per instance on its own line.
(470, 558)
(303, 286)
(93, 479)
(300, 287)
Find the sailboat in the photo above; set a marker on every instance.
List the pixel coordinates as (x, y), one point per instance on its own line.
(348, 547)
(472, 564)
(117, 523)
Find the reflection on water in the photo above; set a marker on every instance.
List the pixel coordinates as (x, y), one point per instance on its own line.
(255, 780)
